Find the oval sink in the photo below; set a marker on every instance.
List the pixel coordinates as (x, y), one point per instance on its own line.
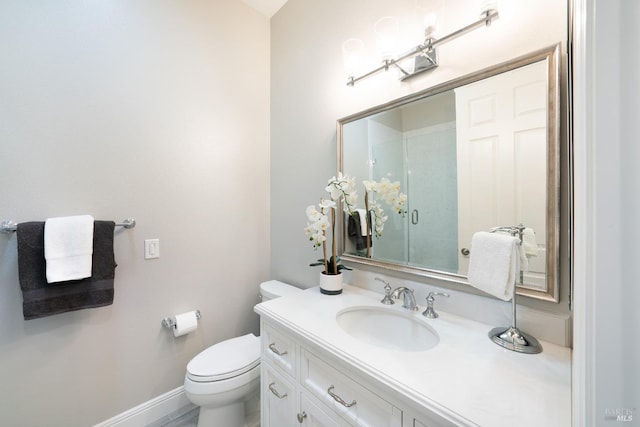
(388, 328)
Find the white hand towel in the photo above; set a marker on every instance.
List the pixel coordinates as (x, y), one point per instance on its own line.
(68, 247)
(529, 242)
(495, 263)
(362, 213)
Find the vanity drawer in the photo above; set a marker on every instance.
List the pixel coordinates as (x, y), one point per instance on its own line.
(278, 349)
(353, 401)
(278, 399)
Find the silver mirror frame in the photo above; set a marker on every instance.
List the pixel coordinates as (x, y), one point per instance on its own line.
(552, 55)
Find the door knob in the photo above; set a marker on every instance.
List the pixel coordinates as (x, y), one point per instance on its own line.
(465, 251)
(301, 417)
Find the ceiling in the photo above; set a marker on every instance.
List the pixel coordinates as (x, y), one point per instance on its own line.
(266, 7)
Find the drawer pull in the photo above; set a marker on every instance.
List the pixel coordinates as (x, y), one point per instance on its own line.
(275, 392)
(273, 348)
(301, 417)
(339, 399)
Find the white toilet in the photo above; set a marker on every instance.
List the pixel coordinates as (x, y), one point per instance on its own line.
(223, 377)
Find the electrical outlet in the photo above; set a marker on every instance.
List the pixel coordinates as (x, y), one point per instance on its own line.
(151, 248)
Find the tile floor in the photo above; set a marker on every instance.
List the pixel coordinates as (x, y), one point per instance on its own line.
(188, 416)
(184, 417)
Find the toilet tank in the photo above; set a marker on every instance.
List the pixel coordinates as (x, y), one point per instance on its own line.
(275, 289)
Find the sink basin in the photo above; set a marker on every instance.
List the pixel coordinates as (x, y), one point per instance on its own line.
(388, 328)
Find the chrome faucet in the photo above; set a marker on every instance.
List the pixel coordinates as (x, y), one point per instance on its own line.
(430, 312)
(409, 298)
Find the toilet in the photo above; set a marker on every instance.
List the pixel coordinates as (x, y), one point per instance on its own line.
(223, 377)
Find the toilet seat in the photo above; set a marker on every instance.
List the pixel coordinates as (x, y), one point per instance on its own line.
(225, 360)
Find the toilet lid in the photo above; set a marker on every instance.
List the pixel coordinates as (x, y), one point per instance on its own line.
(274, 289)
(226, 359)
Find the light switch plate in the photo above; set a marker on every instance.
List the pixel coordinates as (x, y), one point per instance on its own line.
(151, 248)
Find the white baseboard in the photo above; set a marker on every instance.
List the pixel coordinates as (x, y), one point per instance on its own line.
(150, 411)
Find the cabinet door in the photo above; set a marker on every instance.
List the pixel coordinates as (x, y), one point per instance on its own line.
(278, 399)
(311, 415)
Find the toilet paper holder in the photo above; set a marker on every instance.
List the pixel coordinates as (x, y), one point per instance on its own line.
(169, 322)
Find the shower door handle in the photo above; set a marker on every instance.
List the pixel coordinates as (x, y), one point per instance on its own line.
(414, 216)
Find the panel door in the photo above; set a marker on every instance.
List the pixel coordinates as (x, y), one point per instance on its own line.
(502, 157)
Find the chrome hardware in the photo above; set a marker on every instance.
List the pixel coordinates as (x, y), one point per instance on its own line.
(465, 251)
(339, 399)
(273, 348)
(430, 312)
(169, 322)
(8, 226)
(512, 338)
(414, 216)
(301, 417)
(387, 292)
(409, 298)
(275, 392)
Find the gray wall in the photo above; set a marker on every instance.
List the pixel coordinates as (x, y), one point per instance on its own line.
(149, 109)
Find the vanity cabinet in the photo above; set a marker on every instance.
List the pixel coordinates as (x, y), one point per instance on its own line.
(302, 387)
(316, 373)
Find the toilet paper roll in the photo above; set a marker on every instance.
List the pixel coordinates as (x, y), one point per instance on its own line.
(185, 323)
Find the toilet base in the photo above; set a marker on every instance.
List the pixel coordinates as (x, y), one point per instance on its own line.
(242, 414)
(228, 408)
(229, 415)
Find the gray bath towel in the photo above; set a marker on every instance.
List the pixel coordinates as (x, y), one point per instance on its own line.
(353, 230)
(42, 299)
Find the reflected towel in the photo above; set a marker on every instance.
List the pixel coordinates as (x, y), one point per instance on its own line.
(529, 242)
(495, 263)
(42, 299)
(68, 246)
(362, 215)
(356, 225)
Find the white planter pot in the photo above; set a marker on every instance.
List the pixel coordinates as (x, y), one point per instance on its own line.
(331, 284)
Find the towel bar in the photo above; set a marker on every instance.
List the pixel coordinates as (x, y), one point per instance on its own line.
(7, 227)
(511, 337)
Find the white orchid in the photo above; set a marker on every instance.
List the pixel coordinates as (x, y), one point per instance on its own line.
(389, 192)
(343, 187)
(342, 191)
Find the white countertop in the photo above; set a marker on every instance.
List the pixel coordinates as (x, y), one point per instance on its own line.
(466, 375)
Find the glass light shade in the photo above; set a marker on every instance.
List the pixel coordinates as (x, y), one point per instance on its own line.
(352, 56)
(430, 25)
(386, 30)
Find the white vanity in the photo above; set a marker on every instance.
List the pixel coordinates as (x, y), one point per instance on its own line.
(322, 367)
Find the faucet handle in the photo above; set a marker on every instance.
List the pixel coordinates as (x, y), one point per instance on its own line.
(387, 300)
(434, 293)
(430, 312)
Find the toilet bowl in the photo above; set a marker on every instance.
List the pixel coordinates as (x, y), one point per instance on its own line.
(224, 377)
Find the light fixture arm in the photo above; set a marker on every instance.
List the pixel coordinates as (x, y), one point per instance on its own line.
(485, 21)
(427, 50)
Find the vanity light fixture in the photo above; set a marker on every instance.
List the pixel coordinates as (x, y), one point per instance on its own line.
(424, 55)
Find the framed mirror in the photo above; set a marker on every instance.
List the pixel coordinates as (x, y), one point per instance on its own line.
(472, 154)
